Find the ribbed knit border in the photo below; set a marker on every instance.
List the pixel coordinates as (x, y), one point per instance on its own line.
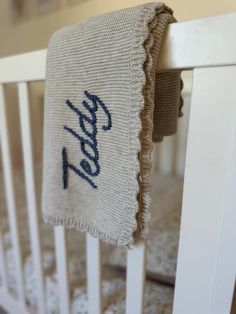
(81, 225)
(142, 99)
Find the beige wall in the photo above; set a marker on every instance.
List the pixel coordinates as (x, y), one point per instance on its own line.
(33, 33)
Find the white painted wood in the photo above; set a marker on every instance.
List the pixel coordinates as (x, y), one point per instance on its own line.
(135, 279)
(226, 268)
(199, 43)
(62, 269)
(2, 265)
(207, 258)
(29, 66)
(94, 274)
(33, 211)
(166, 155)
(187, 45)
(205, 272)
(10, 197)
(181, 137)
(169, 155)
(12, 306)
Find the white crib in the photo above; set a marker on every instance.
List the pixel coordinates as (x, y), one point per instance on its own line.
(207, 256)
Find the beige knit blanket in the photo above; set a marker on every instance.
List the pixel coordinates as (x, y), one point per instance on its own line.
(104, 104)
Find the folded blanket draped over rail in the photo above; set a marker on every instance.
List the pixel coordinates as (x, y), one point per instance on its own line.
(104, 106)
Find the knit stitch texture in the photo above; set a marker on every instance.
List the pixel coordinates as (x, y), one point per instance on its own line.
(104, 106)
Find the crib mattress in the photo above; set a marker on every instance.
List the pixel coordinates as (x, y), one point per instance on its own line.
(161, 252)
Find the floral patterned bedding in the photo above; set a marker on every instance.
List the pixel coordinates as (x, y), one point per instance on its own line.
(162, 247)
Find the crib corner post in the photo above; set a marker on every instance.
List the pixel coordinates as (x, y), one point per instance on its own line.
(207, 259)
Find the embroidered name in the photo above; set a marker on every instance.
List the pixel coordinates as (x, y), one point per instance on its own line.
(88, 139)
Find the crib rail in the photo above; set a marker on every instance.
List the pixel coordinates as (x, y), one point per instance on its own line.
(27, 68)
(23, 69)
(30, 67)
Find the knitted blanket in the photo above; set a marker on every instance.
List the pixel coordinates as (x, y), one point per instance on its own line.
(104, 105)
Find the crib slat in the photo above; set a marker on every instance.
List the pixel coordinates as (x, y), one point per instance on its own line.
(167, 155)
(94, 274)
(10, 305)
(26, 133)
(62, 269)
(206, 264)
(2, 264)
(135, 282)
(181, 137)
(10, 197)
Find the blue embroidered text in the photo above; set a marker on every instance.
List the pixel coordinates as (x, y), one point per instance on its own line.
(88, 140)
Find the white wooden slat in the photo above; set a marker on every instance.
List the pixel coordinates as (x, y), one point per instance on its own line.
(62, 269)
(166, 155)
(135, 281)
(10, 305)
(182, 130)
(10, 197)
(30, 66)
(94, 274)
(2, 265)
(181, 137)
(199, 43)
(207, 257)
(33, 211)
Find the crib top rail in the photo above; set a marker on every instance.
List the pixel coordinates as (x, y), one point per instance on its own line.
(25, 67)
(209, 42)
(192, 44)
